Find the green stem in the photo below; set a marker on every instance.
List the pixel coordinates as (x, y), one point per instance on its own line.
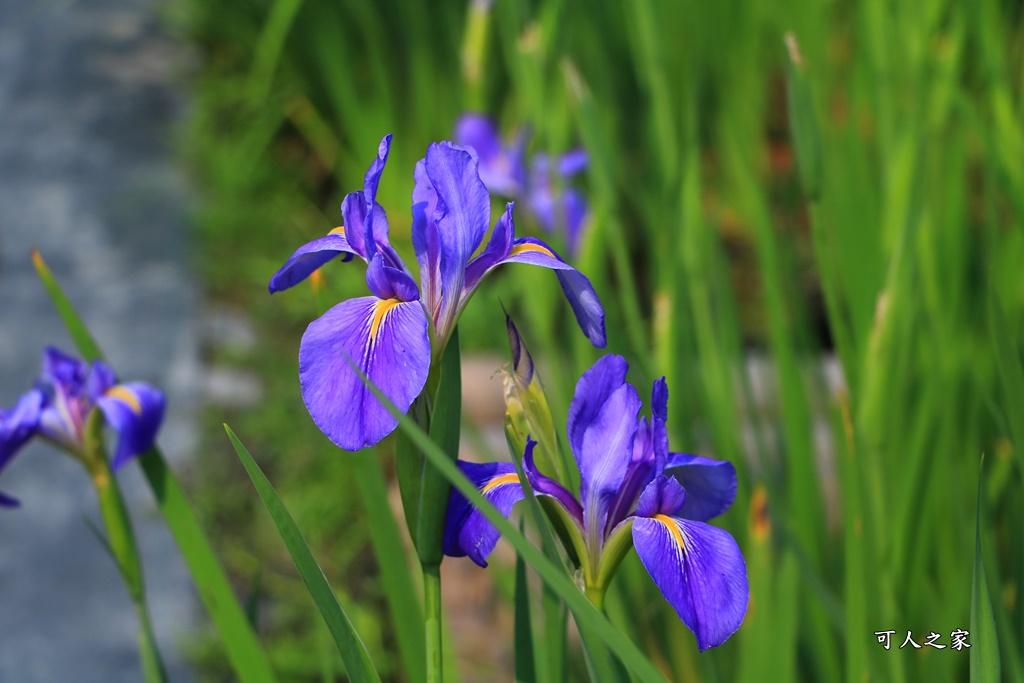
(596, 596)
(121, 538)
(432, 621)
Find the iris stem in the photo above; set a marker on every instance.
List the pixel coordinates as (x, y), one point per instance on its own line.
(121, 540)
(432, 620)
(596, 596)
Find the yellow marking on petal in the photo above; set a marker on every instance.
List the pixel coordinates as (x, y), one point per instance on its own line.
(498, 481)
(126, 395)
(340, 230)
(673, 528)
(317, 280)
(528, 246)
(380, 310)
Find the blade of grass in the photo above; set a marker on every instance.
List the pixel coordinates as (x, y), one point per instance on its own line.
(985, 665)
(244, 650)
(526, 670)
(357, 660)
(399, 589)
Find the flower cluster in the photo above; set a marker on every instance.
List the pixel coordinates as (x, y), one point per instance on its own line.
(633, 491)
(65, 396)
(392, 335)
(505, 171)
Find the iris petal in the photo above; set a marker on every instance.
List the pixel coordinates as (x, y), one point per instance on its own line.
(135, 411)
(387, 340)
(592, 391)
(501, 168)
(577, 288)
(700, 572)
(710, 484)
(17, 426)
(605, 454)
(462, 215)
(546, 486)
(425, 240)
(311, 256)
(467, 531)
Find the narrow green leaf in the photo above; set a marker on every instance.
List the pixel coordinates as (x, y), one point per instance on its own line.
(985, 665)
(80, 334)
(244, 650)
(445, 429)
(551, 574)
(350, 645)
(1010, 371)
(399, 589)
(525, 664)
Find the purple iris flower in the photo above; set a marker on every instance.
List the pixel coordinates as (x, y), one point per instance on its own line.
(632, 490)
(504, 170)
(65, 395)
(392, 335)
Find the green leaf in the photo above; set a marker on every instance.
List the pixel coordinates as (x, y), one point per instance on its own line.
(80, 334)
(525, 664)
(399, 589)
(985, 665)
(424, 491)
(550, 573)
(350, 645)
(244, 650)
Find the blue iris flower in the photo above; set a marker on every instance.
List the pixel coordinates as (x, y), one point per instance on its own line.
(392, 335)
(632, 490)
(505, 171)
(66, 393)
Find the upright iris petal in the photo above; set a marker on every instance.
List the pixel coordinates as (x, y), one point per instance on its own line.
(698, 568)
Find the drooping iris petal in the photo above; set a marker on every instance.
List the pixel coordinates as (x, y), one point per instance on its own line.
(463, 215)
(710, 484)
(467, 531)
(605, 454)
(135, 410)
(543, 485)
(575, 285)
(17, 426)
(425, 240)
(387, 340)
(577, 288)
(698, 568)
(311, 256)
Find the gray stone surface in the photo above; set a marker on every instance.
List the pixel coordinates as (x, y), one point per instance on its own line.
(87, 108)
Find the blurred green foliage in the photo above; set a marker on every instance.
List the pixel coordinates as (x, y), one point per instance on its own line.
(895, 247)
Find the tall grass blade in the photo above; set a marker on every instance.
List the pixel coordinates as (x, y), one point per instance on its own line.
(357, 660)
(985, 665)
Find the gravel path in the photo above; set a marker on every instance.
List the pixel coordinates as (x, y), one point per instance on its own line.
(87, 107)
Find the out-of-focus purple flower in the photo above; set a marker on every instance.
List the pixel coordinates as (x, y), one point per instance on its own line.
(631, 489)
(66, 393)
(504, 170)
(392, 335)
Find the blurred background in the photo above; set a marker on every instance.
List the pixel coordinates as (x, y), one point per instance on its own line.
(818, 243)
